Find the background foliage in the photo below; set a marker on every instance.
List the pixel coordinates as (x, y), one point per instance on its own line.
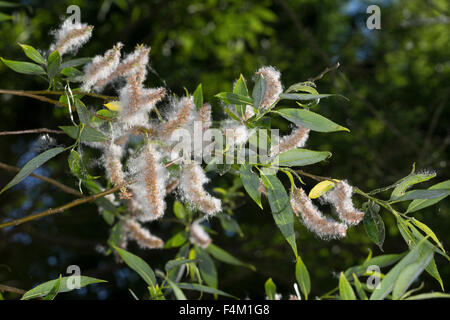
(396, 78)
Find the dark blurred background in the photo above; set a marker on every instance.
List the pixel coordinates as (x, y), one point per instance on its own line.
(397, 79)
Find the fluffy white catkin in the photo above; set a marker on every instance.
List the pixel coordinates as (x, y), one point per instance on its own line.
(273, 85)
(313, 219)
(341, 198)
(71, 36)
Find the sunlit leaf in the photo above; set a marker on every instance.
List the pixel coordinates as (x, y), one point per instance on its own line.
(310, 120)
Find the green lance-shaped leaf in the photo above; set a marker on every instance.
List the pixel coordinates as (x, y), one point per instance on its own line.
(71, 73)
(359, 289)
(345, 289)
(380, 261)
(202, 288)
(432, 295)
(251, 183)
(304, 96)
(83, 112)
(422, 194)
(45, 288)
(177, 263)
(270, 288)
(419, 204)
(412, 179)
(259, 90)
(176, 289)
(234, 98)
(388, 282)
(33, 54)
(300, 157)
(32, 165)
(409, 274)
(281, 208)
(53, 65)
(302, 276)
(54, 291)
(138, 265)
(177, 240)
(310, 120)
(24, 67)
(224, 256)
(88, 134)
(302, 86)
(373, 223)
(75, 62)
(240, 88)
(207, 267)
(198, 96)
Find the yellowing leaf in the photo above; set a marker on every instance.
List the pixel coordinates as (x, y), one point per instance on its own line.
(114, 105)
(428, 232)
(320, 188)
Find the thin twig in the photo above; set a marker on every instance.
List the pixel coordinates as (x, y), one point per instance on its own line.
(69, 205)
(62, 208)
(40, 130)
(48, 180)
(94, 95)
(11, 289)
(324, 72)
(34, 96)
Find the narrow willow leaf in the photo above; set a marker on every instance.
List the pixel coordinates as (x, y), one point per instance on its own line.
(54, 291)
(373, 223)
(412, 179)
(302, 276)
(180, 211)
(88, 134)
(72, 73)
(410, 274)
(300, 157)
(177, 262)
(54, 62)
(24, 67)
(44, 288)
(202, 288)
(419, 204)
(303, 97)
(251, 183)
(271, 289)
(259, 90)
(412, 237)
(32, 53)
(388, 282)
(301, 86)
(82, 112)
(176, 290)
(234, 98)
(320, 188)
(281, 208)
(310, 120)
(240, 88)
(177, 240)
(428, 232)
(198, 96)
(32, 165)
(207, 267)
(381, 261)
(137, 264)
(224, 256)
(345, 289)
(229, 224)
(75, 62)
(433, 295)
(422, 194)
(359, 289)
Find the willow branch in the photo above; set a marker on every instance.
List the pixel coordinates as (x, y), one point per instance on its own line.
(48, 180)
(61, 209)
(31, 95)
(11, 289)
(69, 205)
(90, 94)
(40, 130)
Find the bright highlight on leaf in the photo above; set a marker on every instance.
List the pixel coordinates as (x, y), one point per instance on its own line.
(320, 188)
(113, 105)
